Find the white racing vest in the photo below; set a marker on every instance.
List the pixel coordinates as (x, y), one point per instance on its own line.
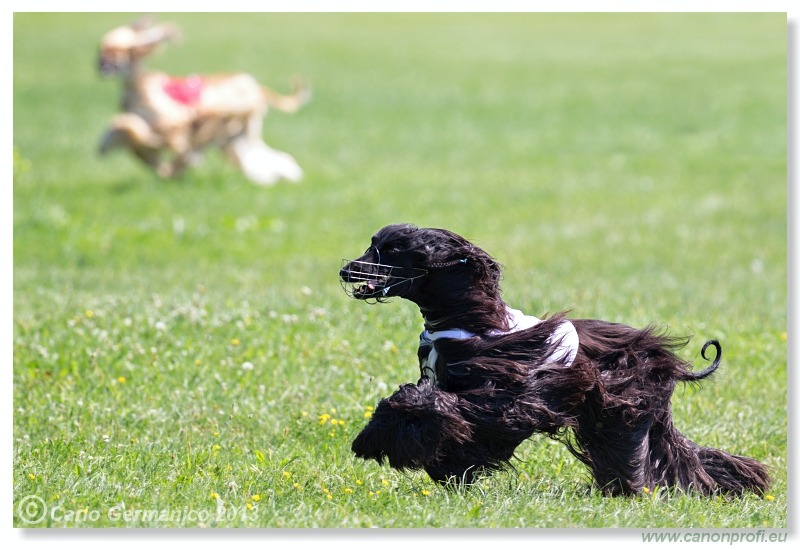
(565, 334)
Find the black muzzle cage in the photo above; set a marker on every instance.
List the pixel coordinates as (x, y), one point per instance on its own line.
(372, 280)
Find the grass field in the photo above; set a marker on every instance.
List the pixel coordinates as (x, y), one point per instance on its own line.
(184, 346)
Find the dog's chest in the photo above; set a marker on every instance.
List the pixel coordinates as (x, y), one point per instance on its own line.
(564, 338)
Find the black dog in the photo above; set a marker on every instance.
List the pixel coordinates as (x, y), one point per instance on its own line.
(492, 377)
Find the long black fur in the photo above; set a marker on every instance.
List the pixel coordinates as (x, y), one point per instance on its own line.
(611, 406)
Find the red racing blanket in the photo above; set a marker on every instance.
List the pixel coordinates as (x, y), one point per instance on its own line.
(185, 90)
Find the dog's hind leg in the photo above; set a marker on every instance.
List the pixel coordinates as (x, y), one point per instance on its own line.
(616, 452)
(675, 460)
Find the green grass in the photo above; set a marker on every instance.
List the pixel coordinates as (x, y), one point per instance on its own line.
(177, 344)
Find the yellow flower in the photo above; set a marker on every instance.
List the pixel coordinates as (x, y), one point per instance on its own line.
(286, 474)
(122, 379)
(216, 448)
(214, 496)
(256, 498)
(216, 434)
(425, 492)
(323, 418)
(645, 490)
(235, 342)
(769, 497)
(249, 506)
(198, 362)
(348, 490)
(31, 477)
(89, 313)
(384, 481)
(296, 485)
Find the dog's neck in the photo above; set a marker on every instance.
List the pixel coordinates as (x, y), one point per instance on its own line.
(476, 313)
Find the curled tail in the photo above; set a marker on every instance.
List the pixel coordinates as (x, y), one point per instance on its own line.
(688, 376)
(301, 93)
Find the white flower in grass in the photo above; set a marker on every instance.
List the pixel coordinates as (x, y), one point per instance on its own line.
(247, 365)
(161, 325)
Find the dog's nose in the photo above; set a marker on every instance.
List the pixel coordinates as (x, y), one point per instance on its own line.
(104, 66)
(344, 272)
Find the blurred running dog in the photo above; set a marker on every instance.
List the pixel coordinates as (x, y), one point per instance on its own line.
(168, 121)
(490, 377)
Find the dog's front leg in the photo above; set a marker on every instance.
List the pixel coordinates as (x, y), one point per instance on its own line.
(412, 427)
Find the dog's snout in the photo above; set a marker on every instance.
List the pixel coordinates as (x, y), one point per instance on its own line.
(105, 66)
(345, 272)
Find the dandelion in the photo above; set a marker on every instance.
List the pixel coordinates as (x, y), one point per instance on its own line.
(216, 434)
(348, 491)
(645, 490)
(249, 506)
(358, 482)
(296, 485)
(384, 481)
(256, 498)
(198, 362)
(286, 474)
(216, 448)
(31, 477)
(214, 496)
(122, 379)
(769, 497)
(235, 342)
(425, 492)
(323, 418)
(89, 313)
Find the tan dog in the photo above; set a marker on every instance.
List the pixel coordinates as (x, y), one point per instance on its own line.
(168, 121)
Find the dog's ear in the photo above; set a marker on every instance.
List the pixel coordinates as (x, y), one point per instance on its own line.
(150, 38)
(143, 22)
